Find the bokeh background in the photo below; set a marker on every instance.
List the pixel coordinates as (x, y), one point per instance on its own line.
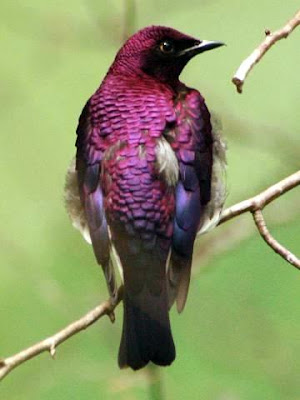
(238, 338)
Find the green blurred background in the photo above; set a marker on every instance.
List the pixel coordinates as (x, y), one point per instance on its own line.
(239, 335)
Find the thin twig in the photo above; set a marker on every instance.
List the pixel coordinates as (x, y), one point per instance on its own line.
(258, 53)
(233, 234)
(50, 344)
(262, 199)
(256, 204)
(268, 238)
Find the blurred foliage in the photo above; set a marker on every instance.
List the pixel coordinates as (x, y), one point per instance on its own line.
(239, 335)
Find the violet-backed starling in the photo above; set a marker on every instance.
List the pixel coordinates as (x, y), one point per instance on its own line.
(146, 180)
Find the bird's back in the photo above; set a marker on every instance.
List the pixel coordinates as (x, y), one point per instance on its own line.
(144, 166)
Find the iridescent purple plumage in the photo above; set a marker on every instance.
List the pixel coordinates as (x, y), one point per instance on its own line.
(144, 165)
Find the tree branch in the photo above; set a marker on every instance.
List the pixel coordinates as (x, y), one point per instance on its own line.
(50, 343)
(268, 238)
(258, 53)
(259, 201)
(253, 205)
(256, 204)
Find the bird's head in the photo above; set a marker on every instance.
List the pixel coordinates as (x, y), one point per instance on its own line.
(159, 52)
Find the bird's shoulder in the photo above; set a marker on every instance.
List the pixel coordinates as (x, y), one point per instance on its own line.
(192, 131)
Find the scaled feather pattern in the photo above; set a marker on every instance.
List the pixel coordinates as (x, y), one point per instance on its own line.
(147, 178)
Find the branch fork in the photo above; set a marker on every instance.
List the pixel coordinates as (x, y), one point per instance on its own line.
(256, 204)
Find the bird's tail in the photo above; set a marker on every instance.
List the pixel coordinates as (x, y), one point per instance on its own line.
(146, 332)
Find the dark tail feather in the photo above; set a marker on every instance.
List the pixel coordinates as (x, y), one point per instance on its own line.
(179, 275)
(146, 332)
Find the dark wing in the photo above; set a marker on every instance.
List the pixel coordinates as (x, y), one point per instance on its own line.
(193, 145)
(88, 165)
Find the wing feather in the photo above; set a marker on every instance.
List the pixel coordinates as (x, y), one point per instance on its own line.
(198, 193)
(91, 211)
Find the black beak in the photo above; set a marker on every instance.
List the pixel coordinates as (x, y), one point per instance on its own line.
(200, 47)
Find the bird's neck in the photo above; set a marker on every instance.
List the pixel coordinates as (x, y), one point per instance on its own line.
(141, 84)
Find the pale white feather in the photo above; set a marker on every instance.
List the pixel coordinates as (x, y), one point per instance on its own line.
(167, 162)
(73, 203)
(212, 211)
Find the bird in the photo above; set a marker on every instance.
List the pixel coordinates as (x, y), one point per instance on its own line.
(146, 180)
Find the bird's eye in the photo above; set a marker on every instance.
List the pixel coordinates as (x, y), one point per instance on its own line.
(167, 47)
